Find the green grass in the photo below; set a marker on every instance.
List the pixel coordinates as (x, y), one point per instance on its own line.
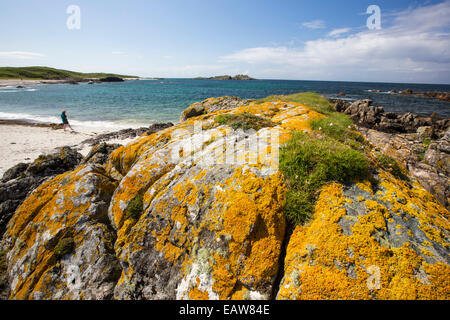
(311, 100)
(244, 121)
(135, 208)
(310, 162)
(46, 73)
(64, 246)
(3, 265)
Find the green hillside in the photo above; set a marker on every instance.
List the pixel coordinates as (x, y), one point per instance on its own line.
(46, 73)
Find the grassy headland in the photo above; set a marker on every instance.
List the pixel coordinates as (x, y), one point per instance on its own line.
(46, 73)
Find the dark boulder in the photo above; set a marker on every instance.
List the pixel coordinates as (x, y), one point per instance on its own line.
(99, 153)
(111, 79)
(365, 115)
(18, 181)
(127, 133)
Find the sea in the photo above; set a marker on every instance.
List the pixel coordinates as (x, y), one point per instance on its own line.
(136, 103)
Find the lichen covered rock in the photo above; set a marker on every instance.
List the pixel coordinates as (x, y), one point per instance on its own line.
(176, 215)
(386, 241)
(212, 105)
(71, 206)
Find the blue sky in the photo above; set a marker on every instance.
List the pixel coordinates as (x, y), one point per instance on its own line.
(295, 39)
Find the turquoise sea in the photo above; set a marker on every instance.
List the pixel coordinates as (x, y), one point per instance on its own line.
(142, 102)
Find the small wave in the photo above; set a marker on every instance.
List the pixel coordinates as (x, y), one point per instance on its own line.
(31, 90)
(94, 124)
(7, 91)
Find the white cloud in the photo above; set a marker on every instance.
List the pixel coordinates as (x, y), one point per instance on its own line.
(338, 32)
(117, 52)
(20, 55)
(315, 24)
(415, 47)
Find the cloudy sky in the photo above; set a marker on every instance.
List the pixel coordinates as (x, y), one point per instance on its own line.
(267, 39)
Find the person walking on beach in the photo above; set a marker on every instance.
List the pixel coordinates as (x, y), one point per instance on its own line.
(65, 121)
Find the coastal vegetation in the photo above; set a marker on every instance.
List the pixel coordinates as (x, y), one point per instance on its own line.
(244, 121)
(308, 162)
(46, 73)
(333, 152)
(134, 209)
(64, 246)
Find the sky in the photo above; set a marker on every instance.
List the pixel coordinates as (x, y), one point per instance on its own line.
(266, 39)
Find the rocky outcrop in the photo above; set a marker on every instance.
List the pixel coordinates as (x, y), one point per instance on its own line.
(227, 77)
(182, 226)
(444, 96)
(126, 133)
(387, 240)
(174, 215)
(111, 79)
(59, 242)
(426, 158)
(21, 179)
(212, 105)
(421, 144)
(99, 153)
(364, 114)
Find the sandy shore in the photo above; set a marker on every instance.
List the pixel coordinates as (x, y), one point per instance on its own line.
(18, 82)
(23, 83)
(24, 143)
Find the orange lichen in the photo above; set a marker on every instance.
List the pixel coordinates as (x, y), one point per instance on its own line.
(324, 263)
(50, 214)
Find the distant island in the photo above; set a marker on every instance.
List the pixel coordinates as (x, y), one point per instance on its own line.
(46, 73)
(226, 77)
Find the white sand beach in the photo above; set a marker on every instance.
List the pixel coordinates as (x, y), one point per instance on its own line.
(19, 82)
(21, 143)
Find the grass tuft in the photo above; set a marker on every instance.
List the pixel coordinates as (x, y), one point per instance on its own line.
(309, 163)
(64, 246)
(244, 121)
(311, 100)
(135, 208)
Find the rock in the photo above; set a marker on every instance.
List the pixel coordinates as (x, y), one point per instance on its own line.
(158, 127)
(430, 165)
(127, 133)
(171, 216)
(424, 133)
(88, 269)
(111, 79)
(364, 114)
(99, 153)
(14, 172)
(340, 105)
(341, 94)
(407, 91)
(181, 228)
(362, 244)
(20, 180)
(212, 105)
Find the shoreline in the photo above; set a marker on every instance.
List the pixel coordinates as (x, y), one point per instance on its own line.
(20, 82)
(23, 140)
